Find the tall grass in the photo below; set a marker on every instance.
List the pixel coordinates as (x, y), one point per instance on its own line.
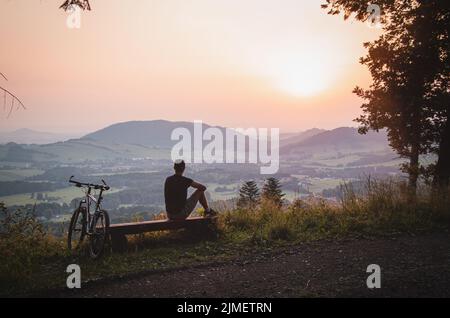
(382, 206)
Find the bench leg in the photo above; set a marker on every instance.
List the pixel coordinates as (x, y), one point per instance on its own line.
(119, 243)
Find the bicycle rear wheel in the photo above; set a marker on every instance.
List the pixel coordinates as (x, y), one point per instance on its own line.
(100, 232)
(77, 229)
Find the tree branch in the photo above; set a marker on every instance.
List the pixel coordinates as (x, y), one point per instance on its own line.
(13, 99)
(82, 4)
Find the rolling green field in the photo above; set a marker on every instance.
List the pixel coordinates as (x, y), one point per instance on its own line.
(18, 174)
(103, 174)
(65, 195)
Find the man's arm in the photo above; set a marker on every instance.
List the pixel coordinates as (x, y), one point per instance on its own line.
(198, 186)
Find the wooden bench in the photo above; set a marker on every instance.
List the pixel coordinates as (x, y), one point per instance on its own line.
(118, 232)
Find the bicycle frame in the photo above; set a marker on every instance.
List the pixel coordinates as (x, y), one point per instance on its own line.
(87, 202)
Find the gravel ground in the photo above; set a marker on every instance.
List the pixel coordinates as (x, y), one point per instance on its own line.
(411, 266)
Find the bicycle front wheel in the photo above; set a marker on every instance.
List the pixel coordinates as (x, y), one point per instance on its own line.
(100, 231)
(77, 229)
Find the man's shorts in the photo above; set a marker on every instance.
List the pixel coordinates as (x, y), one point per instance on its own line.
(189, 206)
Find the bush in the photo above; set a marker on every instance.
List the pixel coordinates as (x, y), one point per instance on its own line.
(23, 244)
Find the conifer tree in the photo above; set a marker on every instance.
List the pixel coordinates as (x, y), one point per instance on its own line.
(272, 191)
(248, 194)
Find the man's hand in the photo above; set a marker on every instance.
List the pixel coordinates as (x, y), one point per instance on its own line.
(198, 186)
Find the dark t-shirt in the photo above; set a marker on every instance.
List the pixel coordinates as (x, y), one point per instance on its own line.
(175, 193)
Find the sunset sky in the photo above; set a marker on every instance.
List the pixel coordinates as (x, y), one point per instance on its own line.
(236, 63)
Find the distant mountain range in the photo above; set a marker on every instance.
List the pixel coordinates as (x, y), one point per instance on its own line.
(151, 139)
(28, 136)
(155, 133)
(343, 137)
(339, 142)
(294, 138)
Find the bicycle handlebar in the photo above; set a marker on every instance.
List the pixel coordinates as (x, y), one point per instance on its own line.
(79, 184)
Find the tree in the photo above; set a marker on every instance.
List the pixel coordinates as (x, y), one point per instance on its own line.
(248, 194)
(410, 71)
(9, 98)
(82, 4)
(272, 191)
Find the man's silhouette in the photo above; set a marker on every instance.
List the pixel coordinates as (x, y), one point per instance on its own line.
(178, 206)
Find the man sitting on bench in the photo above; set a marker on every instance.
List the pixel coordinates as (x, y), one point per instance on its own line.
(178, 206)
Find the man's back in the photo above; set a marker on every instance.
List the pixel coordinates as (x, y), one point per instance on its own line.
(175, 193)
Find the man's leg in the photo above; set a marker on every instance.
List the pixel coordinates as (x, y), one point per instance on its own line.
(202, 199)
(191, 202)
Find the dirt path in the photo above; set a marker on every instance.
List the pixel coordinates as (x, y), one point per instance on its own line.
(411, 266)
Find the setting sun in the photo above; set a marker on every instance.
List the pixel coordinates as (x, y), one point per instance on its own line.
(303, 78)
(305, 71)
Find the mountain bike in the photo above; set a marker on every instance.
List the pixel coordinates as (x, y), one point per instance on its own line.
(89, 220)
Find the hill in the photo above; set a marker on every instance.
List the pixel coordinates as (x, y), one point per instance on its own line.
(78, 150)
(127, 140)
(155, 133)
(294, 138)
(343, 139)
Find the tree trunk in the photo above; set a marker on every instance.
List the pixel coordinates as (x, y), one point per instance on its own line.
(442, 172)
(414, 168)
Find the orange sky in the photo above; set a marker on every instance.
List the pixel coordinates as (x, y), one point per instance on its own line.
(236, 63)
